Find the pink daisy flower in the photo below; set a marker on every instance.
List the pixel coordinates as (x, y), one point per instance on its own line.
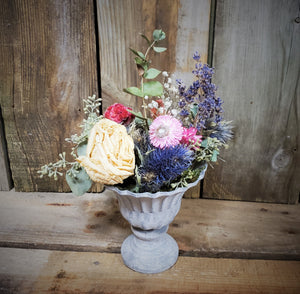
(189, 136)
(165, 131)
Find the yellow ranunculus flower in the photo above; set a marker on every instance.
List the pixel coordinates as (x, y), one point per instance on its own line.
(110, 153)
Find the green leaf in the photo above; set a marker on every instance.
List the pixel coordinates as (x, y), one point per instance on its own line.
(214, 156)
(81, 149)
(81, 184)
(134, 91)
(159, 49)
(153, 88)
(142, 63)
(148, 41)
(158, 35)
(151, 73)
(194, 110)
(204, 143)
(136, 114)
(138, 53)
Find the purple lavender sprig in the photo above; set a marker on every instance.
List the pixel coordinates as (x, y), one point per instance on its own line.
(199, 102)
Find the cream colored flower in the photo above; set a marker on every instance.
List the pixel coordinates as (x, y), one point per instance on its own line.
(110, 153)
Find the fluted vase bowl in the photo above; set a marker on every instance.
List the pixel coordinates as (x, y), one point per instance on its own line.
(150, 249)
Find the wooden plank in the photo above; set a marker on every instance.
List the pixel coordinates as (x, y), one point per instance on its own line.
(5, 175)
(209, 228)
(257, 71)
(192, 35)
(186, 24)
(119, 26)
(48, 62)
(77, 272)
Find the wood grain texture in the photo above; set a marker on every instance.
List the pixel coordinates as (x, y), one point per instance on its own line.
(202, 228)
(186, 24)
(5, 174)
(87, 272)
(257, 61)
(192, 35)
(119, 24)
(48, 63)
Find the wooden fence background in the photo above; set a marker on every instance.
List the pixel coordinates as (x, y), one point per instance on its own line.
(54, 53)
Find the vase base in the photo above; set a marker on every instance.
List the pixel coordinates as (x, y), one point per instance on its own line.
(149, 257)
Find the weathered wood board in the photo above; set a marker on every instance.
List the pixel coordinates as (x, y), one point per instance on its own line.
(210, 228)
(48, 65)
(257, 61)
(186, 24)
(88, 272)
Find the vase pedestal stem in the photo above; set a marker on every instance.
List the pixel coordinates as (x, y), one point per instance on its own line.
(149, 251)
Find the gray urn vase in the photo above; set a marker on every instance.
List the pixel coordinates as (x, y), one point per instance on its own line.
(150, 249)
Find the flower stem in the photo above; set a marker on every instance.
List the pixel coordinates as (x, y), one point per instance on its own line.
(148, 49)
(142, 79)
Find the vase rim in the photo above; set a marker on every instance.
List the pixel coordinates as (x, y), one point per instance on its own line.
(159, 193)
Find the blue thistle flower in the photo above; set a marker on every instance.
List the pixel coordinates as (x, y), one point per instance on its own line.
(162, 166)
(222, 131)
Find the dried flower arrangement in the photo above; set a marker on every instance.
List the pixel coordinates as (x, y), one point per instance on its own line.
(166, 146)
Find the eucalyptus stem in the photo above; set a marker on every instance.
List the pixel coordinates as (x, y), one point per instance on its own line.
(142, 79)
(148, 49)
(144, 103)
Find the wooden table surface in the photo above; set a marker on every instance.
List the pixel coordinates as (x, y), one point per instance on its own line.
(55, 243)
(48, 271)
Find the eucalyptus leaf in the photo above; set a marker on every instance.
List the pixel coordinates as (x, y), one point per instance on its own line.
(136, 114)
(153, 88)
(159, 49)
(134, 91)
(151, 73)
(81, 184)
(138, 53)
(143, 63)
(148, 41)
(81, 149)
(158, 35)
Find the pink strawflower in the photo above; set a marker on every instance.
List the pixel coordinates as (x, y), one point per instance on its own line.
(165, 131)
(189, 136)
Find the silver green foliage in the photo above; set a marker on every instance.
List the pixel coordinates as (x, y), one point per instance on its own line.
(76, 176)
(150, 88)
(79, 183)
